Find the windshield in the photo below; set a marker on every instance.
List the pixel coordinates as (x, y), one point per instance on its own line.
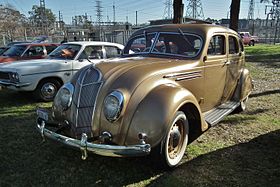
(140, 44)
(66, 51)
(172, 44)
(16, 50)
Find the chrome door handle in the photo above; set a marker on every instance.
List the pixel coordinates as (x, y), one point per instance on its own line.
(227, 62)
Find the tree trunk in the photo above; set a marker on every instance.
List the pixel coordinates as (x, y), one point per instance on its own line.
(178, 9)
(234, 14)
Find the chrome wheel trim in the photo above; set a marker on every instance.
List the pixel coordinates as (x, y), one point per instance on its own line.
(243, 104)
(48, 90)
(174, 151)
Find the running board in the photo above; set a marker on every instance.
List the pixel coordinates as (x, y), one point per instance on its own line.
(217, 114)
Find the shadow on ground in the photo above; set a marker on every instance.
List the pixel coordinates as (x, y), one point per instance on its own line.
(255, 163)
(27, 161)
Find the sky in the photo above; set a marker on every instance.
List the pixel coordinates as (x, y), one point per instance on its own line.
(126, 9)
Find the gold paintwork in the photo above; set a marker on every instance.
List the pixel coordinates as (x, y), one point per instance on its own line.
(156, 88)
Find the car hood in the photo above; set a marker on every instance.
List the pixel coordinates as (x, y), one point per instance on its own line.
(140, 68)
(7, 59)
(33, 66)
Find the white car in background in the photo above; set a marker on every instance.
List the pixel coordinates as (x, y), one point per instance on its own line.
(45, 76)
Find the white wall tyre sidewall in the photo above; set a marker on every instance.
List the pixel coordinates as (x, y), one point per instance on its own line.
(170, 161)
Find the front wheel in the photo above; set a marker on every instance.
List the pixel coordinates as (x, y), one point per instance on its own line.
(47, 89)
(176, 140)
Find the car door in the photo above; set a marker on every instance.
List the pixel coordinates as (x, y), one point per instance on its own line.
(233, 64)
(34, 52)
(90, 55)
(215, 71)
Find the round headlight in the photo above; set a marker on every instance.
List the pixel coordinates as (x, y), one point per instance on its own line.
(113, 105)
(14, 77)
(63, 98)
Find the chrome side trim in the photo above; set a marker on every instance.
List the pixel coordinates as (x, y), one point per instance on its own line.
(17, 85)
(141, 149)
(185, 76)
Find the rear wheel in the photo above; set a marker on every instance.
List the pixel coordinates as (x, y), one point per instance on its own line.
(47, 89)
(176, 140)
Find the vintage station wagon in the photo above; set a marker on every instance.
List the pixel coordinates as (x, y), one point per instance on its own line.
(157, 99)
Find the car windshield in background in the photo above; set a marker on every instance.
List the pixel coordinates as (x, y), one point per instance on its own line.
(140, 44)
(16, 50)
(66, 51)
(174, 44)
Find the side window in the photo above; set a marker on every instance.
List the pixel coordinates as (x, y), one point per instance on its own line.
(50, 48)
(233, 45)
(35, 51)
(92, 52)
(112, 51)
(217, 45)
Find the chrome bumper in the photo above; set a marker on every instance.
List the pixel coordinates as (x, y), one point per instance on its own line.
(105, 150)
(17, 85)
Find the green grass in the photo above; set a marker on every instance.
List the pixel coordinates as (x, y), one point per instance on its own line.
(243, 150)
(262, 52)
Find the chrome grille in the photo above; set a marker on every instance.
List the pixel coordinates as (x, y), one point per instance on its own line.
(86, 91)
(4, 76)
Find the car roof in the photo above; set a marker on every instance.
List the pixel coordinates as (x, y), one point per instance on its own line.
(38, 44)
(85, 43)
(201, 29)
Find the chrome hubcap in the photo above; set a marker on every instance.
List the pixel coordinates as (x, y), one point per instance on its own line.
(48, 90)
(175, 140)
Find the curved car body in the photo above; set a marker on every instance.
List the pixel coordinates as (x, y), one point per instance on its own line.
(155, 99)
(45, 76)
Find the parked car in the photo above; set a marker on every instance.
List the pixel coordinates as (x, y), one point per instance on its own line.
(155, 100)
(248, 39)
(45, 76)
(3, 49)
(27, 51)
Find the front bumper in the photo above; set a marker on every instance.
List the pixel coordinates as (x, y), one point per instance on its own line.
(141, 149)
(17, 85)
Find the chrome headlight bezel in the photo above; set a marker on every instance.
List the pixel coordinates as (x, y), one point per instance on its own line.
(112, 111)
(64, 97)
(14, 77)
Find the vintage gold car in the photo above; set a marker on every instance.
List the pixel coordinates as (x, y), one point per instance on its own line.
(157, 98)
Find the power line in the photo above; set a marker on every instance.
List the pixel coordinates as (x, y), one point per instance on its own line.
(194, 9)
(168, 9)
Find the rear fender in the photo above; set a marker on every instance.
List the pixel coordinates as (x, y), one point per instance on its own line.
(244, 86)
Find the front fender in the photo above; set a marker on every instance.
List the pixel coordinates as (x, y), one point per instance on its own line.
(244, 86)
(155, 111)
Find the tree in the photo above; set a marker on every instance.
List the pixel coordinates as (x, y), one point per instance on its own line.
(234, 14)
(178, 9)
(11, 22)
(42, 18)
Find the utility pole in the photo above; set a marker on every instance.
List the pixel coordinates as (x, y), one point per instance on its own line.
(99, 16)
(178, 9)
(168, 9)
(251, 18)
(194, 9)
(274, 13)
(43, 16)
(136, 17)
(114, 13)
